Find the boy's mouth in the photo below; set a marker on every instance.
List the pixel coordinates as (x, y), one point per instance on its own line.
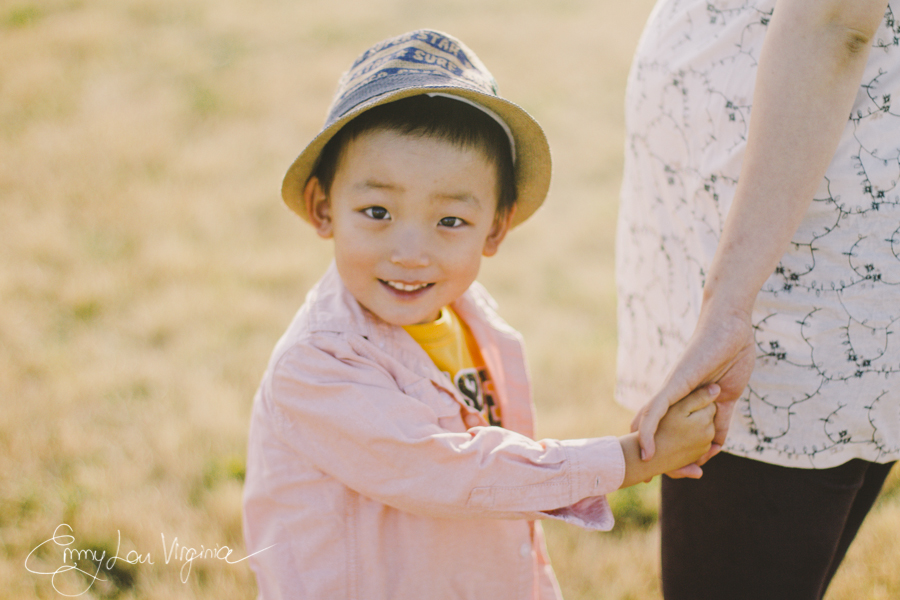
(405, 287)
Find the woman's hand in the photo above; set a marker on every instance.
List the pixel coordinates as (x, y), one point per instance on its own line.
(684, 435)
(721, 351)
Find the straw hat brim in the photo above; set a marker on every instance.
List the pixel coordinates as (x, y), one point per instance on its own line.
(532, 168)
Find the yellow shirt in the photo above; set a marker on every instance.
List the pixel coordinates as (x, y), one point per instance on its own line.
(451, 346)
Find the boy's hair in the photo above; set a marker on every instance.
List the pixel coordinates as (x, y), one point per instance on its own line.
(435, 117)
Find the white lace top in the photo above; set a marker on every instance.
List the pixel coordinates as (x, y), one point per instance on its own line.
(826, 387)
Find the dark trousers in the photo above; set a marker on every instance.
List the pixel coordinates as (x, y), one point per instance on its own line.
(748, 530)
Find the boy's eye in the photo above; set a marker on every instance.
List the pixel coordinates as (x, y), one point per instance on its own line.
(452, 222)
(378, 213)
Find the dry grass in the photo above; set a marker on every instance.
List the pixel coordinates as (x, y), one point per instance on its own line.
(148, 267)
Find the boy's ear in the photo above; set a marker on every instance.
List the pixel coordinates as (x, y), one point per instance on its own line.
(318, 207)
(498, 232)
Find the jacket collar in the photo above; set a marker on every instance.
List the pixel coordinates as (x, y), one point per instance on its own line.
(332, 308)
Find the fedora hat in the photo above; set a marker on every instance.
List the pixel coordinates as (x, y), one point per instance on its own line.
(433, 63)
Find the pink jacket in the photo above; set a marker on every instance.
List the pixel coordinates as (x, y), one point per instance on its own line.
(371, 479)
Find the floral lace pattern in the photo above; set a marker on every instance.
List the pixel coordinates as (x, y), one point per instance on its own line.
(826, 387)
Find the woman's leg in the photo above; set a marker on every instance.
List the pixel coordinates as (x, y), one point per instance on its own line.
(750, 530)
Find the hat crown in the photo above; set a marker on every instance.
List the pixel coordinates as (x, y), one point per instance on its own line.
(423, 58)
(431, 63)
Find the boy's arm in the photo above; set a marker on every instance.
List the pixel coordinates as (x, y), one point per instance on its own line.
(343, 414)
(685, 434)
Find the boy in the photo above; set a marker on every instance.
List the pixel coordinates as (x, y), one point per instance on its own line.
(391, 451)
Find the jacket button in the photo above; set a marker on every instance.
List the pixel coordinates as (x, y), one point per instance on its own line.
(525, 550)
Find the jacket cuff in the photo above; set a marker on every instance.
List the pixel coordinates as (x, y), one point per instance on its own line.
(598, 465)
(598, 468)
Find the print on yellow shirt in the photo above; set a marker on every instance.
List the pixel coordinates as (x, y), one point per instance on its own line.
(452, 347)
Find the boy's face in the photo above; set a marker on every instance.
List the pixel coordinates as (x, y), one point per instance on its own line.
(411, 218)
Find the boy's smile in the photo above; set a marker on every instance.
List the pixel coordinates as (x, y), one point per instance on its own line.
(411, 218)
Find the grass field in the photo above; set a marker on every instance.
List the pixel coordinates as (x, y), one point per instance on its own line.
(148, 267)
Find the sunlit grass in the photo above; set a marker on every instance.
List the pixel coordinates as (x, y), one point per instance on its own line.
(148, 267)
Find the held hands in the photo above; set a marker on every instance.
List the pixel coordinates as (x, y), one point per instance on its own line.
(685, 434)
(721, 350)
(686, 431)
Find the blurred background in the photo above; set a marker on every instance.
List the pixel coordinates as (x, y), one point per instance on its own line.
(148, 266)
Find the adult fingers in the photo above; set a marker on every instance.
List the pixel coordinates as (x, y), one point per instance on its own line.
(713, 450)
(650, 415)
(722, 420)
(691, 471)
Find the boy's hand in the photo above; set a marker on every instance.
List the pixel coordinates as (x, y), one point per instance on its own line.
(685, 433)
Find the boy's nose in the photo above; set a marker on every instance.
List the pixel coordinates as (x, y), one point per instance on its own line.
(410, 249)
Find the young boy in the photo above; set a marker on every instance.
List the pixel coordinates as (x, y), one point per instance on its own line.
(391, 451)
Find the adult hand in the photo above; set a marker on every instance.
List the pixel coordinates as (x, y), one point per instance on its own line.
(721, 350)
